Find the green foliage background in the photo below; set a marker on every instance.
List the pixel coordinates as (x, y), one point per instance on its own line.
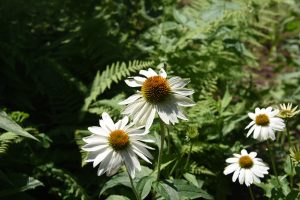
(62, 63)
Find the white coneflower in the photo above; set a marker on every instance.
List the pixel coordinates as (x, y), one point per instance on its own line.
(157, 95)
(246, 167)
(286, 111)
(265, 123)
(113, 144)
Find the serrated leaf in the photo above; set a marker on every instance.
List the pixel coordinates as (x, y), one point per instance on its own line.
(9, 125)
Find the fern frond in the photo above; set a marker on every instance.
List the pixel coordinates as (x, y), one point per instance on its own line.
(70, 189)
(114, 73)
(79, 134)
(6, 139)
(195, 169)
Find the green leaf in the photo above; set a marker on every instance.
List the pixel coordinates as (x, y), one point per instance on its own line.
(293, 195)
(9, 125)
(189, 191)
(226, 100)
(117, 197)
(122, 179)
(166, 190)
(288, 168)
(144, 186)
(20, 183)
(191, 178)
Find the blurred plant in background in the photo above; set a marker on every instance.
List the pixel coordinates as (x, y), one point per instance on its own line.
(63, 63)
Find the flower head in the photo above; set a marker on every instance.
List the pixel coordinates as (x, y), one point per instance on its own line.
(295, 154)
(157, 95)
(264, 123)
(286, 111)
(113, 144)
(246, 167)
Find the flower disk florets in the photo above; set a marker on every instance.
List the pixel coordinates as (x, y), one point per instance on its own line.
(245, 162)
(156, 89)
(262, 120)
(118, 140)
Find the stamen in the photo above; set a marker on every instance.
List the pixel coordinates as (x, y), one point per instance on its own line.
(245, 162)
(262, 120)
(156, 89)
(118, 140)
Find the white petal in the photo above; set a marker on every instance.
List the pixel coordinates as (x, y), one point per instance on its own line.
(244, 152)
(130, 99)
(256, 132)
(184, 101)
(93, 147)
(250, 124)
(147, 73)
(162, 114)
(231, 168)
(177, 82)
(108, 121)
(101, 156)
(242, 176)
(257, 111)
(139, 80)
(124, 122)
(253, 155)
(183, 91)
(232, 160)
(103, 167)
(251, 115)
(236, 174)
(98, 130)
(141, 155)
(162, 73)
(150, 118)
(132, 83)
(251, 130)
(152, 72)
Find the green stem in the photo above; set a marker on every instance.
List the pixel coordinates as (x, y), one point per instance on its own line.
(189, 155)
(169, 141)
(162, 138)
(289, 146)
(251, 193)
(270, 149)
(132, 186)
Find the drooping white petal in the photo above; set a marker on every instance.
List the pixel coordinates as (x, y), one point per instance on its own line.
(184, 101)
(183, 91)
(101, 156)
(130, 99)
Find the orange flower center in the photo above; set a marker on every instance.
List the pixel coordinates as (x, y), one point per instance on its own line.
(118, 140)
(245, 162)
(262, 120)
(156, 89)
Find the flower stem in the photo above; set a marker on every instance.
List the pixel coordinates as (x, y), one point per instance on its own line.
(189, 155)
(251, 193)
(289, 146)
(270, 149)
(162, 138)
(132, 186)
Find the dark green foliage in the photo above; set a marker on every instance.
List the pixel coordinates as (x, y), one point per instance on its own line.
(63, 63)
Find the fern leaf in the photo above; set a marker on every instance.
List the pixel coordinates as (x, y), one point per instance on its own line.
(6, 139)
(114, 73)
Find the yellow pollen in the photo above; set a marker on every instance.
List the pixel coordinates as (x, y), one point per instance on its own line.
(262, 120)
(245, 162)
(118, 140)
(156, 89)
